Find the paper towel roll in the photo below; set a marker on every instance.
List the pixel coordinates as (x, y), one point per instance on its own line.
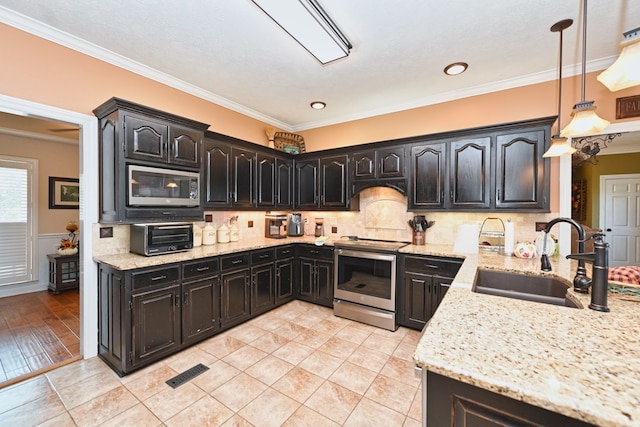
(467, 238)
(509, 238)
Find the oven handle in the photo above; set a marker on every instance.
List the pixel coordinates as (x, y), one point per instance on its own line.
(366, 254)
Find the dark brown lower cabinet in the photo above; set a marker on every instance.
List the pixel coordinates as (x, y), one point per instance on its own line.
(458, 404)
(284, 274)
(156, 324)
(262, 288)
(235, 297)
(424, 283)
(200, 309)
(315, 274)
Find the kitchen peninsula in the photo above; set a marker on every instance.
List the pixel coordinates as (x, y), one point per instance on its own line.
(577, 362)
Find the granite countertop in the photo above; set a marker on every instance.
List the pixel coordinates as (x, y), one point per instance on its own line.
(578, 362)
(130, 261)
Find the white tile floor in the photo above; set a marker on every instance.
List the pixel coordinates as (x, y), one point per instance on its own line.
(297, 365)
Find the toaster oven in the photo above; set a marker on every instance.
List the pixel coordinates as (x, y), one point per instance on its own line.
(157, 239)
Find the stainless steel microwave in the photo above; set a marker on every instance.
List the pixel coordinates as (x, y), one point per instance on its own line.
(152, 186)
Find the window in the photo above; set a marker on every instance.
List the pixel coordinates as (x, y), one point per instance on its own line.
(18, 207)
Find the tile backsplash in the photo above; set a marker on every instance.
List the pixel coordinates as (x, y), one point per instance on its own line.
(382, 215)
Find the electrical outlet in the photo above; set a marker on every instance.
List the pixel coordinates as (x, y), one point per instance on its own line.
(334, 230)
(540, 226)
(306, 220)
(250, 224)
(106, 232)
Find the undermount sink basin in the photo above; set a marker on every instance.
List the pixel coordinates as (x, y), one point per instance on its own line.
(547, 290)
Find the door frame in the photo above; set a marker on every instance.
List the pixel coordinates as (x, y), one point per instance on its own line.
(88, 146)
(565, 180)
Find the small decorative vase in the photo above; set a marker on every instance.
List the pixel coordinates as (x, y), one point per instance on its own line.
(68, 251)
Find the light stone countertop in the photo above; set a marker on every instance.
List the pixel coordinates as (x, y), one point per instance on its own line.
(578, 362)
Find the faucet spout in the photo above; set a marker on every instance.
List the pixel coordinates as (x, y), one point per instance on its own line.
(581, 282)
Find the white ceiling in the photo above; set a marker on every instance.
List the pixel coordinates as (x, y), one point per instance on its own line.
(231, 53)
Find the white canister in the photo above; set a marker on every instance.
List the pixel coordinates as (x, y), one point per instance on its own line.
(223, 234)
(197, 235)
(234, 232)
(208, 235)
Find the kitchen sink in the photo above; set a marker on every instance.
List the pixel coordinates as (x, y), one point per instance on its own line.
(547, 290)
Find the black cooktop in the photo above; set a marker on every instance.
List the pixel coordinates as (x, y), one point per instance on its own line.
(364, 243)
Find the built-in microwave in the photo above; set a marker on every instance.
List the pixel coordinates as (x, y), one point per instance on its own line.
(153, 186)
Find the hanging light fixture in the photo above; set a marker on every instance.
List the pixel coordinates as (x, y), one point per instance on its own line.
(625, 72)
(584, 118)
(559, 145)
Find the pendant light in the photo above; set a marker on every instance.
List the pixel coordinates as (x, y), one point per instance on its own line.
(625, 72)
(560, 145)
(584, 120)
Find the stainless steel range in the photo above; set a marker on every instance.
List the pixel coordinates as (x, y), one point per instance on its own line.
(365, 281)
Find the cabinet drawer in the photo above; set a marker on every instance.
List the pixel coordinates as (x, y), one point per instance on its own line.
(156, 277)
(234, 261)
(312, 251)
(261, 257)
(442, 266)
(202, 268)
(284, 252)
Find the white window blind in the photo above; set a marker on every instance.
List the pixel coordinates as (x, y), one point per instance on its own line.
(17, 222)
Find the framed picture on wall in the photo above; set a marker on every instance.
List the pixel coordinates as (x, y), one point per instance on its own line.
(64, 193)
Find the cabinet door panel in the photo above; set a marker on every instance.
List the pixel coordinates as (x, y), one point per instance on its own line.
(262, 288)
(364, 164)
(324, 278)
(156, 325)
(235, 298)
(520, 170)
(307, 184)
(145, 139)
(416, 299)
(306, 279)
(334, 182)
(200, 302)
(185, 146)
(391, 162)
(217, 173)
(243, 178)
(471, 173)
(284, 280)
(428, 176)
(266, 178)
(284, 183)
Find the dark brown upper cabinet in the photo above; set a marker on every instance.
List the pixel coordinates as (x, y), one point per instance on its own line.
(379, 167)
(493, 168)
(322, 182)
(520, 169)
(130, 133)
(470, 173)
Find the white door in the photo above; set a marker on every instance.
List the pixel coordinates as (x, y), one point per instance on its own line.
(620, 217)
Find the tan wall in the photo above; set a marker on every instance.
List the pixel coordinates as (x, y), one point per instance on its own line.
(47, 73)
(54, 159)
(614, 164)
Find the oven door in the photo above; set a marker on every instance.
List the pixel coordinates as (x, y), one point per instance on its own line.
(367, 278)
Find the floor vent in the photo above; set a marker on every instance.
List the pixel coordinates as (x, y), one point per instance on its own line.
(187, 375)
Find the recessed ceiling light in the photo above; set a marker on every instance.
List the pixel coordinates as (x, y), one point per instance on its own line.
(318, 105)
(455, 68)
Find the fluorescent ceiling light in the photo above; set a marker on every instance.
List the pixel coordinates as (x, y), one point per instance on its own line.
(310, 26)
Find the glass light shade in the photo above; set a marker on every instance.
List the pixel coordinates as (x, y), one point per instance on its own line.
(584, 121)
(625, 72)
(559, 147)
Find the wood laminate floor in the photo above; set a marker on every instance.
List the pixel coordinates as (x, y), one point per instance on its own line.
(38, 332)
